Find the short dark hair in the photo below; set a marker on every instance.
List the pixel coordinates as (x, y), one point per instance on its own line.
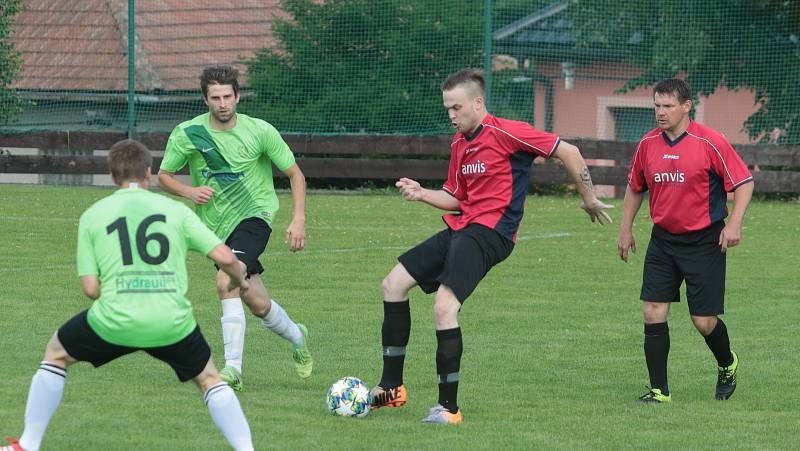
(472, 77)
(219, 75)
(129, 160)
(674, 86)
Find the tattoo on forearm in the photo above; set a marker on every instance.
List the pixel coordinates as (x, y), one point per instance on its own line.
(586, 179)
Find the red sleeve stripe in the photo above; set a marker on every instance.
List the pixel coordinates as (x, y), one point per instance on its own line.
(721, 159)
(542, 151)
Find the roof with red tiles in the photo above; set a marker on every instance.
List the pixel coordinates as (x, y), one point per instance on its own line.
(82, 44)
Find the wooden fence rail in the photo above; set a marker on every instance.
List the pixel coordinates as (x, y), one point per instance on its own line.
(371, 157)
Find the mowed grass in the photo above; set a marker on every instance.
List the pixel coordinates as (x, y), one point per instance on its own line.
(552, 338)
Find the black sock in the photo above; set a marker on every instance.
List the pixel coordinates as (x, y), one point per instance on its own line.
(394, 337)
(656, 351)
(719, 343)
(448, 362)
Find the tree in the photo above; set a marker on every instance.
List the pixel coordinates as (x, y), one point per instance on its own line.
(363, 66)
(10, 62)
(737, 44)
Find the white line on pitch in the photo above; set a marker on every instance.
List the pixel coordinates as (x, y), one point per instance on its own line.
(541, 236)
(544, 236)
(38, 219)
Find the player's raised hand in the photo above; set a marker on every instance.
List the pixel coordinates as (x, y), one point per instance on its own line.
(296, 236)
(201, 194)
(596, 211)
(409, 189)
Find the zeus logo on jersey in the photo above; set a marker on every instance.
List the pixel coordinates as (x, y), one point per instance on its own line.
(669, 177)
(473, 168)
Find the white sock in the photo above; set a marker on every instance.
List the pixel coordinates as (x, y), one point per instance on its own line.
(233, 326)
(44, 396)
(228, 416)
(279, 322)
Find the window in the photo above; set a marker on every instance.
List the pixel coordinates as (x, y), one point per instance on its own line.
(632, 123)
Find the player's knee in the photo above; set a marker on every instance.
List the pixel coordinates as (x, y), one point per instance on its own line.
(56, 354)
(206, 380)
(704, 324)
(386, 285)
(654, 312)
(446, 311)
(390, 287)
(222, 285)
(259, 308)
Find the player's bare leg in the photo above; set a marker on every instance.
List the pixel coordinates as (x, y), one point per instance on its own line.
(397, 284)
(446, 309)
(395, 332)
(224, 407)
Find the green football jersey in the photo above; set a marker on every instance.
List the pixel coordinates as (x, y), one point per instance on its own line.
(236, 163)
(135, 241)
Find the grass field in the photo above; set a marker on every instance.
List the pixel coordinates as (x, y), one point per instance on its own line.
(552, 338)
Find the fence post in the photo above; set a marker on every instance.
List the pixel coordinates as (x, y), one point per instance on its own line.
(131, 69)
(487, 51)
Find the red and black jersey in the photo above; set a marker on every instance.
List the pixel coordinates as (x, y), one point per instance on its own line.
(688, 178)
(490, 173)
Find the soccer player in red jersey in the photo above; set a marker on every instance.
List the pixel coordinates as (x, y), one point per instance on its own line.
(488, 178)
(688, 169)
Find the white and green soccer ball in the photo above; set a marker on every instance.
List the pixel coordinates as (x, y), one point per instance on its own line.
(348, 397)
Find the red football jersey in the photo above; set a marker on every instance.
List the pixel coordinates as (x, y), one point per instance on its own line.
(490, 173)
(688, 178)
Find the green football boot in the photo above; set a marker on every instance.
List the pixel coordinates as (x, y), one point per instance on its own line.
(232, 377)
(654, 396)
(303, 362)
(726, 379)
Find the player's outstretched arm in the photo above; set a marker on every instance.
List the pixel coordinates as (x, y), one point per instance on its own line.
(296, 232)
(412, 191)
(91, 286)
(228, 263)
(197, 194)
(626, 241)
(576, 167)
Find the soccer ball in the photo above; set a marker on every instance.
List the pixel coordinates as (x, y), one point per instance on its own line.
(348, 397)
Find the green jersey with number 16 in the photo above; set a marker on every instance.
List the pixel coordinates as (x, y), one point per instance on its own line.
(135, 241)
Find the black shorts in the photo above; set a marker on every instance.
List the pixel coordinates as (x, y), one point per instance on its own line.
(248, 241)
(695, 257)
(188, 357)
(457, 259)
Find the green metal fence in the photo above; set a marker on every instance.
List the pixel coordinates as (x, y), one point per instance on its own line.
(582, 68)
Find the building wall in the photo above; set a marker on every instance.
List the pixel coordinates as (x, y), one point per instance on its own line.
(585, 110)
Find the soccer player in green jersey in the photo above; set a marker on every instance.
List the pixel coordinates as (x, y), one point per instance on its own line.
(230, 157)
(132, 262)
